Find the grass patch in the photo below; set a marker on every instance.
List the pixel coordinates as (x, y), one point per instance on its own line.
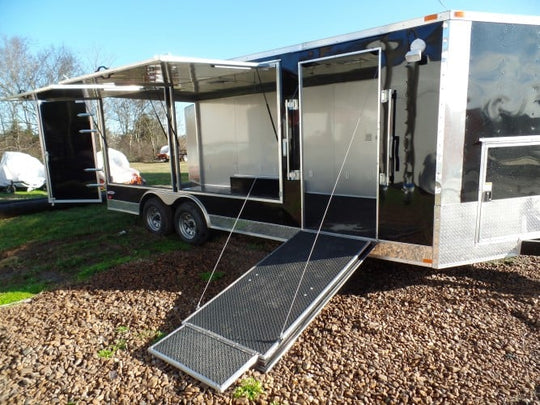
(152, 335)
(119, 344)
(249, 388)
(208, 276)
(88, 271)
(14, 296)
(158, 336)
(105, 353)
(42, 250)
(23, 195)
(159, 173)
(111, 351)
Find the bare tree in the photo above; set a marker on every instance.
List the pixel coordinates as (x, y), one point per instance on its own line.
(56, 64)
(22, 70)
(136, 127)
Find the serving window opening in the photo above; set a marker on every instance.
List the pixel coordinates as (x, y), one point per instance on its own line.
(199, 125)
(230, 134)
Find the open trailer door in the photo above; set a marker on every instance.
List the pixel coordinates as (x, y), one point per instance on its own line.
(339, 120)
(67, 137)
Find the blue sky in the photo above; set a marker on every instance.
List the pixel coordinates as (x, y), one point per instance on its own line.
(118, 32)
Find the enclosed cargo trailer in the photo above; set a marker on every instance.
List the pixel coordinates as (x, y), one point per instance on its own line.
(418, 141)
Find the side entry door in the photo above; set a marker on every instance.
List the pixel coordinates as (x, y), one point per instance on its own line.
(509, 189)
(339, 124)
(69, 152)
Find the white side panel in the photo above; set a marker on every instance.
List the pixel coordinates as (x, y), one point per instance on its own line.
(237, 138)
(318, 142)
(255, 137)
(192, 139)
(218, 137)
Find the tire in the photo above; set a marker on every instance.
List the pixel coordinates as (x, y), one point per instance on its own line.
(157, 217)
(190, 224)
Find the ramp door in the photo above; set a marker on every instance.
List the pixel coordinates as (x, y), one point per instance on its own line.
(69, 148)
(256, 319)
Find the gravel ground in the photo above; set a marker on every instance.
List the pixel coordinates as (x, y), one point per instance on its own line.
(394, 334)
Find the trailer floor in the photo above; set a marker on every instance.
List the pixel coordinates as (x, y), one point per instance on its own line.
(347, 215)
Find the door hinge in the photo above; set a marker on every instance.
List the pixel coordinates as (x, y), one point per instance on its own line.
(387, 94)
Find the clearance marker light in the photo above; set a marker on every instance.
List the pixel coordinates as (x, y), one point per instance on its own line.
(431, 17)
(459, 14)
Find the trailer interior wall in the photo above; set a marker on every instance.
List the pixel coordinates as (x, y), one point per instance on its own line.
(488, 176)
(236, 138)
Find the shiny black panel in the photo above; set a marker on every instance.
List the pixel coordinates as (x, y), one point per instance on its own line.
(127, 193)
(254, 210)
(504, 91)
(69, 152)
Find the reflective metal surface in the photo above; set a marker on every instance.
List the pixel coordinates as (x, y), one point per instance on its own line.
(503, 93)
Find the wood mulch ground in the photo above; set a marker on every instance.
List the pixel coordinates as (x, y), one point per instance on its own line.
(394, 334)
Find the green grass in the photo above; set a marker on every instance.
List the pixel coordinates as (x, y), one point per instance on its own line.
(42, 250)
(105, 353)
(208, 276)
(158, 173)
(21, 195)
(14, 296)
(249, 388)
(120, 343)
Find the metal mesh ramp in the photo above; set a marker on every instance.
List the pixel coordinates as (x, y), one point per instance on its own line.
(206, 357)
(255, 319)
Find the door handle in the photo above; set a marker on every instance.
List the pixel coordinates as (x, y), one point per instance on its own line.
(392, 141)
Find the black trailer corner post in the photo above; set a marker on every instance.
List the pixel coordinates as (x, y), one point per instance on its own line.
(69, 152)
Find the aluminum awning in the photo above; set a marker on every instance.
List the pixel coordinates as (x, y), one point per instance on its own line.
(189, 78)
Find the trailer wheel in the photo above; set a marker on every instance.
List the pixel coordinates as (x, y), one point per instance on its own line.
(157, 217)
(190, 224)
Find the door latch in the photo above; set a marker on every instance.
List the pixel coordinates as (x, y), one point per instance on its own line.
(487, 194)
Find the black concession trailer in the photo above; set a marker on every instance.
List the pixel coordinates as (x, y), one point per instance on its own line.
(417, 142)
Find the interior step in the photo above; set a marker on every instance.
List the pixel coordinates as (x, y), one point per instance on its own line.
(258, 317)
